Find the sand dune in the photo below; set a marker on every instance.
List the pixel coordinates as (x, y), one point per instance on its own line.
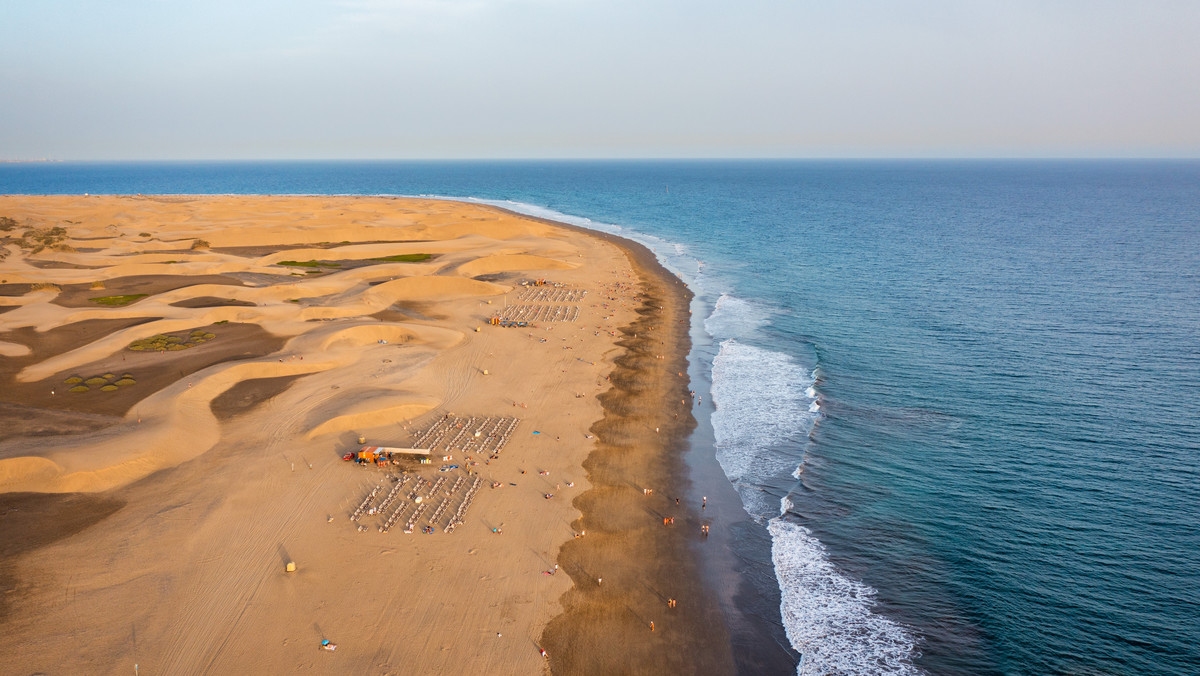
(487, 265)
(430, 289)
(13, 349)
(366, 415)
(211, 508)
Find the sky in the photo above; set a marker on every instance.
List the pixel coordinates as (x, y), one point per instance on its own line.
(459, 79)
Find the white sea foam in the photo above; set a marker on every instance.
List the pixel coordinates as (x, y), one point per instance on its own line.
(828, 616)
(760, 402)
(734, 317)
(763, 399)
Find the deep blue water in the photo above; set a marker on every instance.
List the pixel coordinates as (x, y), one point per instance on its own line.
(960, 398)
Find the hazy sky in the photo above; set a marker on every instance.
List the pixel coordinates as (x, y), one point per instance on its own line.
(167, 79)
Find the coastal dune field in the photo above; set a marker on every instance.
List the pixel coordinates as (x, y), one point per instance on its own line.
(180, 377)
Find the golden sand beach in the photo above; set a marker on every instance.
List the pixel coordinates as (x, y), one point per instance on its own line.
(181, 376)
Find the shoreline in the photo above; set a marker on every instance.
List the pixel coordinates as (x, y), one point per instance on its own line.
(619, 520)
(622, 521)
(738, 550)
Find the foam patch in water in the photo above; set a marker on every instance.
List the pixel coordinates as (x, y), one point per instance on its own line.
(733, 317)
(828, 616)
(760, 402)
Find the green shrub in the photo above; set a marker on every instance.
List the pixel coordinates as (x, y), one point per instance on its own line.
(117, 301)
(95, 380)
(73, 380)
(40, 239)
(405, 258)
(79, 388)
(108, 388)
(125, 382)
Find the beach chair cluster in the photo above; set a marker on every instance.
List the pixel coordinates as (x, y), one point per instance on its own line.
(416, 516)
(437, 513)
(551, 294)
(391, 496)
(440, 502)
(365, 507)
(481, 435)
(538, 313)
(393, 518)
(468, 498)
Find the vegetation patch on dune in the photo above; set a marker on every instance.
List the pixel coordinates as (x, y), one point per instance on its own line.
(310, 264)
(34, 240)
(405, 258)
(37, 240)
(108, 382)
(172, 342)
(6, 225)
(117, 301)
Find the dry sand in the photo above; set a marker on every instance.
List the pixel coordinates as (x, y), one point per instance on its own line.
(150, 524)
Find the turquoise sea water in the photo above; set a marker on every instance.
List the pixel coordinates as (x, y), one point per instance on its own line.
(958, 400)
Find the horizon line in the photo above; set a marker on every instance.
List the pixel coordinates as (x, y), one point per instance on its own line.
(715, 158)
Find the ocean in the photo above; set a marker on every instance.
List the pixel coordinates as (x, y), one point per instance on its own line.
(955, 402)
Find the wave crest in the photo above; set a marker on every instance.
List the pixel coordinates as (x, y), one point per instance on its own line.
(828, 616)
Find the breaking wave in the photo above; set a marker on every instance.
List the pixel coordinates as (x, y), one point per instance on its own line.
(828, 616)
(767, 403)
(760, 402)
